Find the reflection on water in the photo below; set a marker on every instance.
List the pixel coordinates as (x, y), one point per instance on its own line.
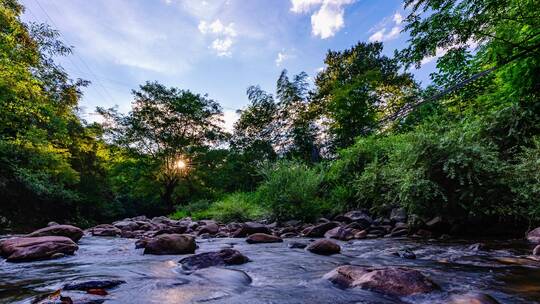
(277, 274)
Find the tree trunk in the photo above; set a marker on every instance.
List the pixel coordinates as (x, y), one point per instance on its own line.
(166, 197)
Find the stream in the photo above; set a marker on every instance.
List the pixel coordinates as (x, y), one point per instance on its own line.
(277, 273)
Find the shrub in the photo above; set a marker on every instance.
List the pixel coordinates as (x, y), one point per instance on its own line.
(525, 180)
(292, 190)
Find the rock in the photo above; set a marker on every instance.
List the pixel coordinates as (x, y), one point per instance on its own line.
(250, 228)
(534, 236)
(339, 233)
(58, 255)
(396, 281)
(319, 230)
(126, 225)
(536, 250)
(93, 284)
(423, 233)
(49, 224)
(342, 218)
(72, 232)
(105, 230)
(170, 244)
(359, 217)
(398, 215)
(208, 259)
(288, 235)
(473, 298)
(406, 254)
(210, 228)
(297, 245)
(478, 247)
(324, 247)
(263, 238)
(438, 225)
(399, 232)
(361, 235)
(24, 249)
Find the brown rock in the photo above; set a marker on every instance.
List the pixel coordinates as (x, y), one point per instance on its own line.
(473, 298)
(72, 232)
(396, 281)
(210, 228)
(361, 235)
(170, 244)
(250, 228)
(319, 230)
(263, 238)
(536, 250)
(36, 248)
(339, 233)
(324, 247)
(105, 230)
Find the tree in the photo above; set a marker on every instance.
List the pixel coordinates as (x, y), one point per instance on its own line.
(167, 124)
(358, 87)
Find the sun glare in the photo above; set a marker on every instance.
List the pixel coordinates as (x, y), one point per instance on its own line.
(180, 164)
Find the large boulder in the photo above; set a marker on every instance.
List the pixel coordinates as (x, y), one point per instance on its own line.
(72, 232)
(396, 281)
(24, 249)
(210, 228)
(319, 230)
(398, 215)
(263, 238)
(170, 244)
(340, 233)
(223, 257)
(126, 225)
(251, 228)
(324, 247)
(105, 230)
(534, 236)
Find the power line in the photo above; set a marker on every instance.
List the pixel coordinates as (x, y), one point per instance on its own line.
(79, 57)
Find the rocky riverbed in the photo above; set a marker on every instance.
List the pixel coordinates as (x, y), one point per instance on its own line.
(203, 263)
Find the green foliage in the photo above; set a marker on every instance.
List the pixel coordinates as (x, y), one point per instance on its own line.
(525, 180)
(291, 190)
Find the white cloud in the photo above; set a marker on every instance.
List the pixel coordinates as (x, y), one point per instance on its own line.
(327, 20)
(222, 46)
(381, 34)
(223, 34)
(281, 56)
(398, 18)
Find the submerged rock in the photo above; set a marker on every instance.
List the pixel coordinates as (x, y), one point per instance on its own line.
(208, 259)
(263, 238)
(24, 249)
(406, 254)
(473, 298)
(396, 281)
(170, 244)
(297, 245)
(324, 247)
(93, 284)
(72, 232)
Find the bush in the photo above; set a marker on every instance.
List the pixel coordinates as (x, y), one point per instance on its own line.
(292, 190)
(525, 180)
(235, 207)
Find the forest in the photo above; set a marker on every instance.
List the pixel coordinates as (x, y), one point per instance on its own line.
(363, 135)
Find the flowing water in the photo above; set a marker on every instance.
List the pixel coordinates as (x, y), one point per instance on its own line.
(277, 273)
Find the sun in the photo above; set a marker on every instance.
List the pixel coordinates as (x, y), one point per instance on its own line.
(180, 164)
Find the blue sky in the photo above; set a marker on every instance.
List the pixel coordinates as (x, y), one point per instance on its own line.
(219, 47)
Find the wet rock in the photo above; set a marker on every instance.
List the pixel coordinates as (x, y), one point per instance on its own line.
(250, 228)
(406, 254)
(210, 228)
(438, 225)
(126, 225)
(534, 236)
(105, 230)
(359, 217)
(72, 232)
(288, 235)
(319, 230)
(208, 259)
(396, 281)
(398, 215)
(339, 233)
(478, 247)
(170, 244)
(49, 224)
(225, 276)
(361, 235)
(423, 233)
(93, 284)
(536, 250)
(397, 232)
(24, 249)
(297, 245)
(263, 238)
(324, 247)
(473, 298)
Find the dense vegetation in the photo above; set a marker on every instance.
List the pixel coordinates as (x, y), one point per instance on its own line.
(366, 135)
